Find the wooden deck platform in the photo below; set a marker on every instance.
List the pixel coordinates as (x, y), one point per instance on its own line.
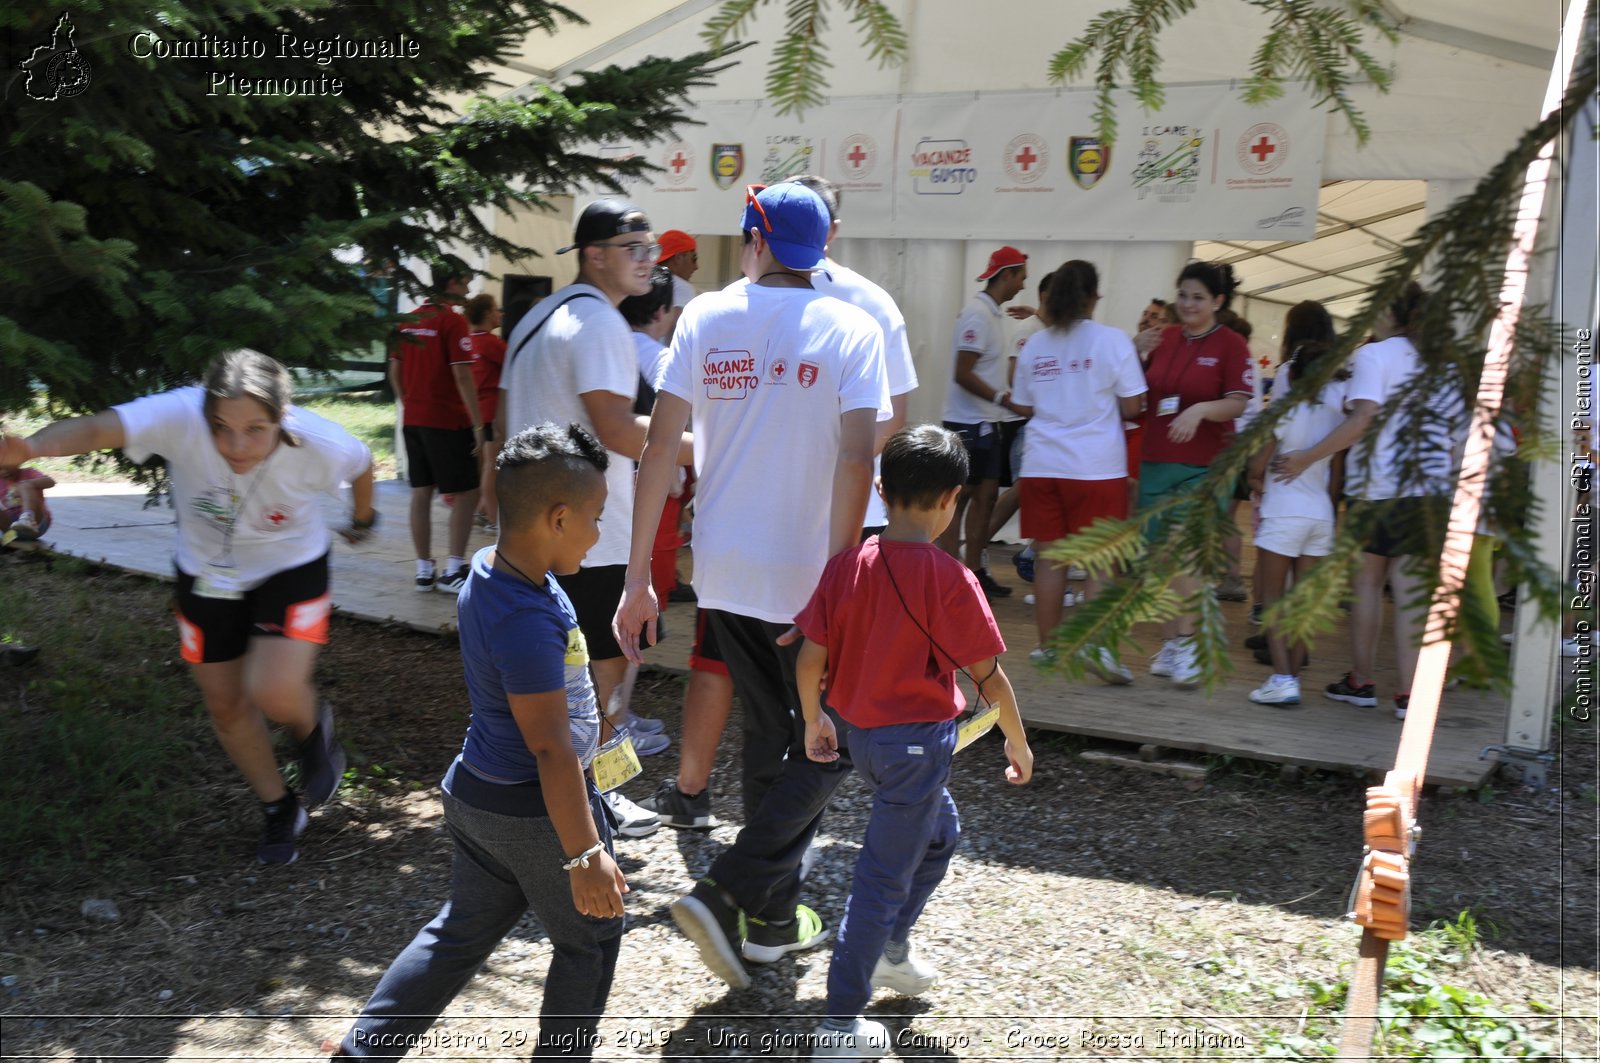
(109, 524)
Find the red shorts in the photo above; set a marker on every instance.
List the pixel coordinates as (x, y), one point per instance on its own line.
(1054, 509)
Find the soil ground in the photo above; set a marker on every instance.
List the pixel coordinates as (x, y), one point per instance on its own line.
(1095, 908)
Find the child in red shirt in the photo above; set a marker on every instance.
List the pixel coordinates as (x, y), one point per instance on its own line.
(890, 623)
(22, 508)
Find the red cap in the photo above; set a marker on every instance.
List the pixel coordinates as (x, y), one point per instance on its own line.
(675, 241)
(1004, 258)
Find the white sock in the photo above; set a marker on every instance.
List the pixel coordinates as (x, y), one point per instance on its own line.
(424, 567)
(455, 564)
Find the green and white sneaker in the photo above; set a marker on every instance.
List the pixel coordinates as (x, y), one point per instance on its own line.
(769, 942)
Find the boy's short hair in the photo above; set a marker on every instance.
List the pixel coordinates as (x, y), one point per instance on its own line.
(639, 310)
(544, 466)
(920, 463)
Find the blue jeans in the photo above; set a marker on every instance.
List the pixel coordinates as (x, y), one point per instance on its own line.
(911, 837)
(502, 866)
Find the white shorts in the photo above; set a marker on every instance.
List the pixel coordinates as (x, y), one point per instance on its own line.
(1295, 536)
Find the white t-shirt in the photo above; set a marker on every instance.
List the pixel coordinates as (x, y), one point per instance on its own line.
(1073, 378)
(585, 346)
(1378, 371)
(979, 328)
(651, 355)
(842, 282)
(682, 291)
(1304, 426)
(265, 521)
(767, 373)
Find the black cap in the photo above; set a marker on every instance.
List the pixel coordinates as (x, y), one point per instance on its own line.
(603, 219)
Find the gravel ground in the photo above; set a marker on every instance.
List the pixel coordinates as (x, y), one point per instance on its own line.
(1097, 913)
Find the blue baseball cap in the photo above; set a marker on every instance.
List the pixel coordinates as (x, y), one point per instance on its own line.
(790, 217)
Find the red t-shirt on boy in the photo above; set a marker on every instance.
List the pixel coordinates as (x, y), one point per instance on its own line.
(430, 344)
(1196, 370)
(892, 654)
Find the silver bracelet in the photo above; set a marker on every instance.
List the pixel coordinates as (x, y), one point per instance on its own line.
(582, 859)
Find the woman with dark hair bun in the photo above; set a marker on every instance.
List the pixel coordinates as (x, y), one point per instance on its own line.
(1200, 380)
(1077, 379)
(1407, 478)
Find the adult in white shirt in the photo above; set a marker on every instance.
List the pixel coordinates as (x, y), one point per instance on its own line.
(975, 406)
(1078, 380)
(842, 282)
(784, 386)
(571, 360)
(247, 472)
(1402, 481)
(681, 255)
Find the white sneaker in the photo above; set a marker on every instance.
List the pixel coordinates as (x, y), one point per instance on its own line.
(1185, 669)
(864, 1041)
(1068, 600)
(632, 821)
(1074, 572)
(1161, 663)
(1103, 663)
(1039, 655)
(910, 979)
(1277, 690)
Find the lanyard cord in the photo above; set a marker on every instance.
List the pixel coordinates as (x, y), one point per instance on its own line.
(226, 560)
(883, 558)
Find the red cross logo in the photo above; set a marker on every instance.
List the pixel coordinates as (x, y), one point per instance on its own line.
(1026, 158)
(679, 162)
(856, 157)
(1264, 362)
(276, 517)
(1262, 148)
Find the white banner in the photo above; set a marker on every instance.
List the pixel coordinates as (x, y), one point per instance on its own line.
(1014, 166)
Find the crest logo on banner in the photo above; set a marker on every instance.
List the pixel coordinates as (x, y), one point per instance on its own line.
(808, 374)
(857, 156)
(678, 162)
(1088, 159)
(1027, 158)
(1262, 149)
(942, 167)
(727, 164)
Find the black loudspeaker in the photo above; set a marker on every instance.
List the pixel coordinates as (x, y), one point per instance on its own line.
(518, 294)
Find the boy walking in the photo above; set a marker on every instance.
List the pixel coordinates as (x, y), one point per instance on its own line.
(527, 822)
(890, 623)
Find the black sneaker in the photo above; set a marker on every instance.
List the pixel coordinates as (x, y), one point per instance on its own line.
(716, 927)
(286, 821)
(453, 581)
(769, 942)
(1402, 703)
(991, 589)
(678, 809)
(424, 584)
(1365, 696)
(321, 760)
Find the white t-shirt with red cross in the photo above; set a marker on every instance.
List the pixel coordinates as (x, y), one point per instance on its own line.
(842, 282)
(979, 329)
(584, 345)
(1302, 427)
(255, 524)
(767, 373)
(1073, 378)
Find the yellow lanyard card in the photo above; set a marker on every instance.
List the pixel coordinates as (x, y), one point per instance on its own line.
(615, 763)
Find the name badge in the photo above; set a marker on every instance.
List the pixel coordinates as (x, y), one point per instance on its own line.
(219, 582)
(1168, 406)
(976, 727)
(615, 763)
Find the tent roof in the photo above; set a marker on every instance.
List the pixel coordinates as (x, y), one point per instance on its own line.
(1360, 228)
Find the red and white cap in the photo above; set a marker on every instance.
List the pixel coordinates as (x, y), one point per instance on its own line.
(1004, 258)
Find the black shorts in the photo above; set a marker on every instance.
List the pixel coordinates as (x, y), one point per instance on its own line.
(291, 604)
(1407, 527)
(1009, 430)
(705, 655)
(595, 594)
(442, 458)
(982, 440)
